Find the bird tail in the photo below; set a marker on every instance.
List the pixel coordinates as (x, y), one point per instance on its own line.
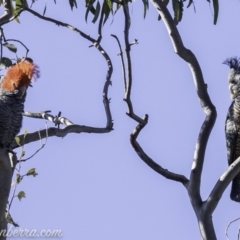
(235, 192)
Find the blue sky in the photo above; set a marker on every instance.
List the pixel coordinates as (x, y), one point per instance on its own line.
(94, 186)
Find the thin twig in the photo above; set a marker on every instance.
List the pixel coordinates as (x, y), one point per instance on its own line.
(122, 62)
(142, 122)
(45, 115)
(204, 217)
(108, 82)
(41, 146)
(1, 46)
(8, 12)
(100, 24)
(150, 162)
(15, 40)
(226, 231)
(127, 97)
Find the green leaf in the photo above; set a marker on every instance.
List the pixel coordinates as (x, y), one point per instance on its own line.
(73, 3)
(189, 3)
(19, 178)
(11, 47)
(44, 10)
(21, 4)
(21, 195)
(216, 9)
(146, 7)
(25, 133)
(178, 10)
(22, 154)
(9, 219)
(90, 8)
(15, 13)
(17, 140)
(98, 7)
(107, 8)
(5, 63)
(32, 172)
(117, 8)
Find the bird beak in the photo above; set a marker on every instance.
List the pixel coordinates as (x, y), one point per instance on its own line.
(21, 92)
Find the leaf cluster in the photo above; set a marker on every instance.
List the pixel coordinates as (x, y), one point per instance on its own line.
(105, 7)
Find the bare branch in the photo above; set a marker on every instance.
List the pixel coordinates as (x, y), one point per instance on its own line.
(5, 184)
(221, 185)
(45, 115)
(206, 104)
(127, 97)
(71, 128)
(151, 163)
(7, 12)
(41, 147)
(32, 137)
(104, 54)
(122, 61)
(100, 24)
(15, 40)
(142, 121)
(226, 231)
(59, 23)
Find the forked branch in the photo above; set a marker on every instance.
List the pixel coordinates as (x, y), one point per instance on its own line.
(142, 122)
(8, 12)
(70, 127)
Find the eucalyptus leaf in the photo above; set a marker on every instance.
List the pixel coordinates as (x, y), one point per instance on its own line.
(11, 47)
(21, 195)
(98, 7)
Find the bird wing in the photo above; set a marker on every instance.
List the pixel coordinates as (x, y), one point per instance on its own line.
(231, 138)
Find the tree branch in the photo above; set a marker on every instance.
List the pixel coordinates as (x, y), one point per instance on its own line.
(51, 132)
(127, 97)
(7, 12)
(152, 164)
(221, 185)
(201, 88)
(5, 185)
(122, 62)
(142, 121)
(45, 115)
(71, 128)
(205, 221)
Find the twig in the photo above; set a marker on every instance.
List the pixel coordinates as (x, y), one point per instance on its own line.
(45, 115)
(100, 24)
(151, 163)
(104, 54)
(219, 188)
(41, 147)
(14, 40)
(204, 217)
(127, 97)
(142, 122)
(7, 12)
(122, 61)
(2, 37)
(226, 231)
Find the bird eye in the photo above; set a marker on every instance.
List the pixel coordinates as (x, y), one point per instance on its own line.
(233, 81)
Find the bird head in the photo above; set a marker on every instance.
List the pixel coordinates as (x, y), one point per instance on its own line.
(18, 78)
(234, 76)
